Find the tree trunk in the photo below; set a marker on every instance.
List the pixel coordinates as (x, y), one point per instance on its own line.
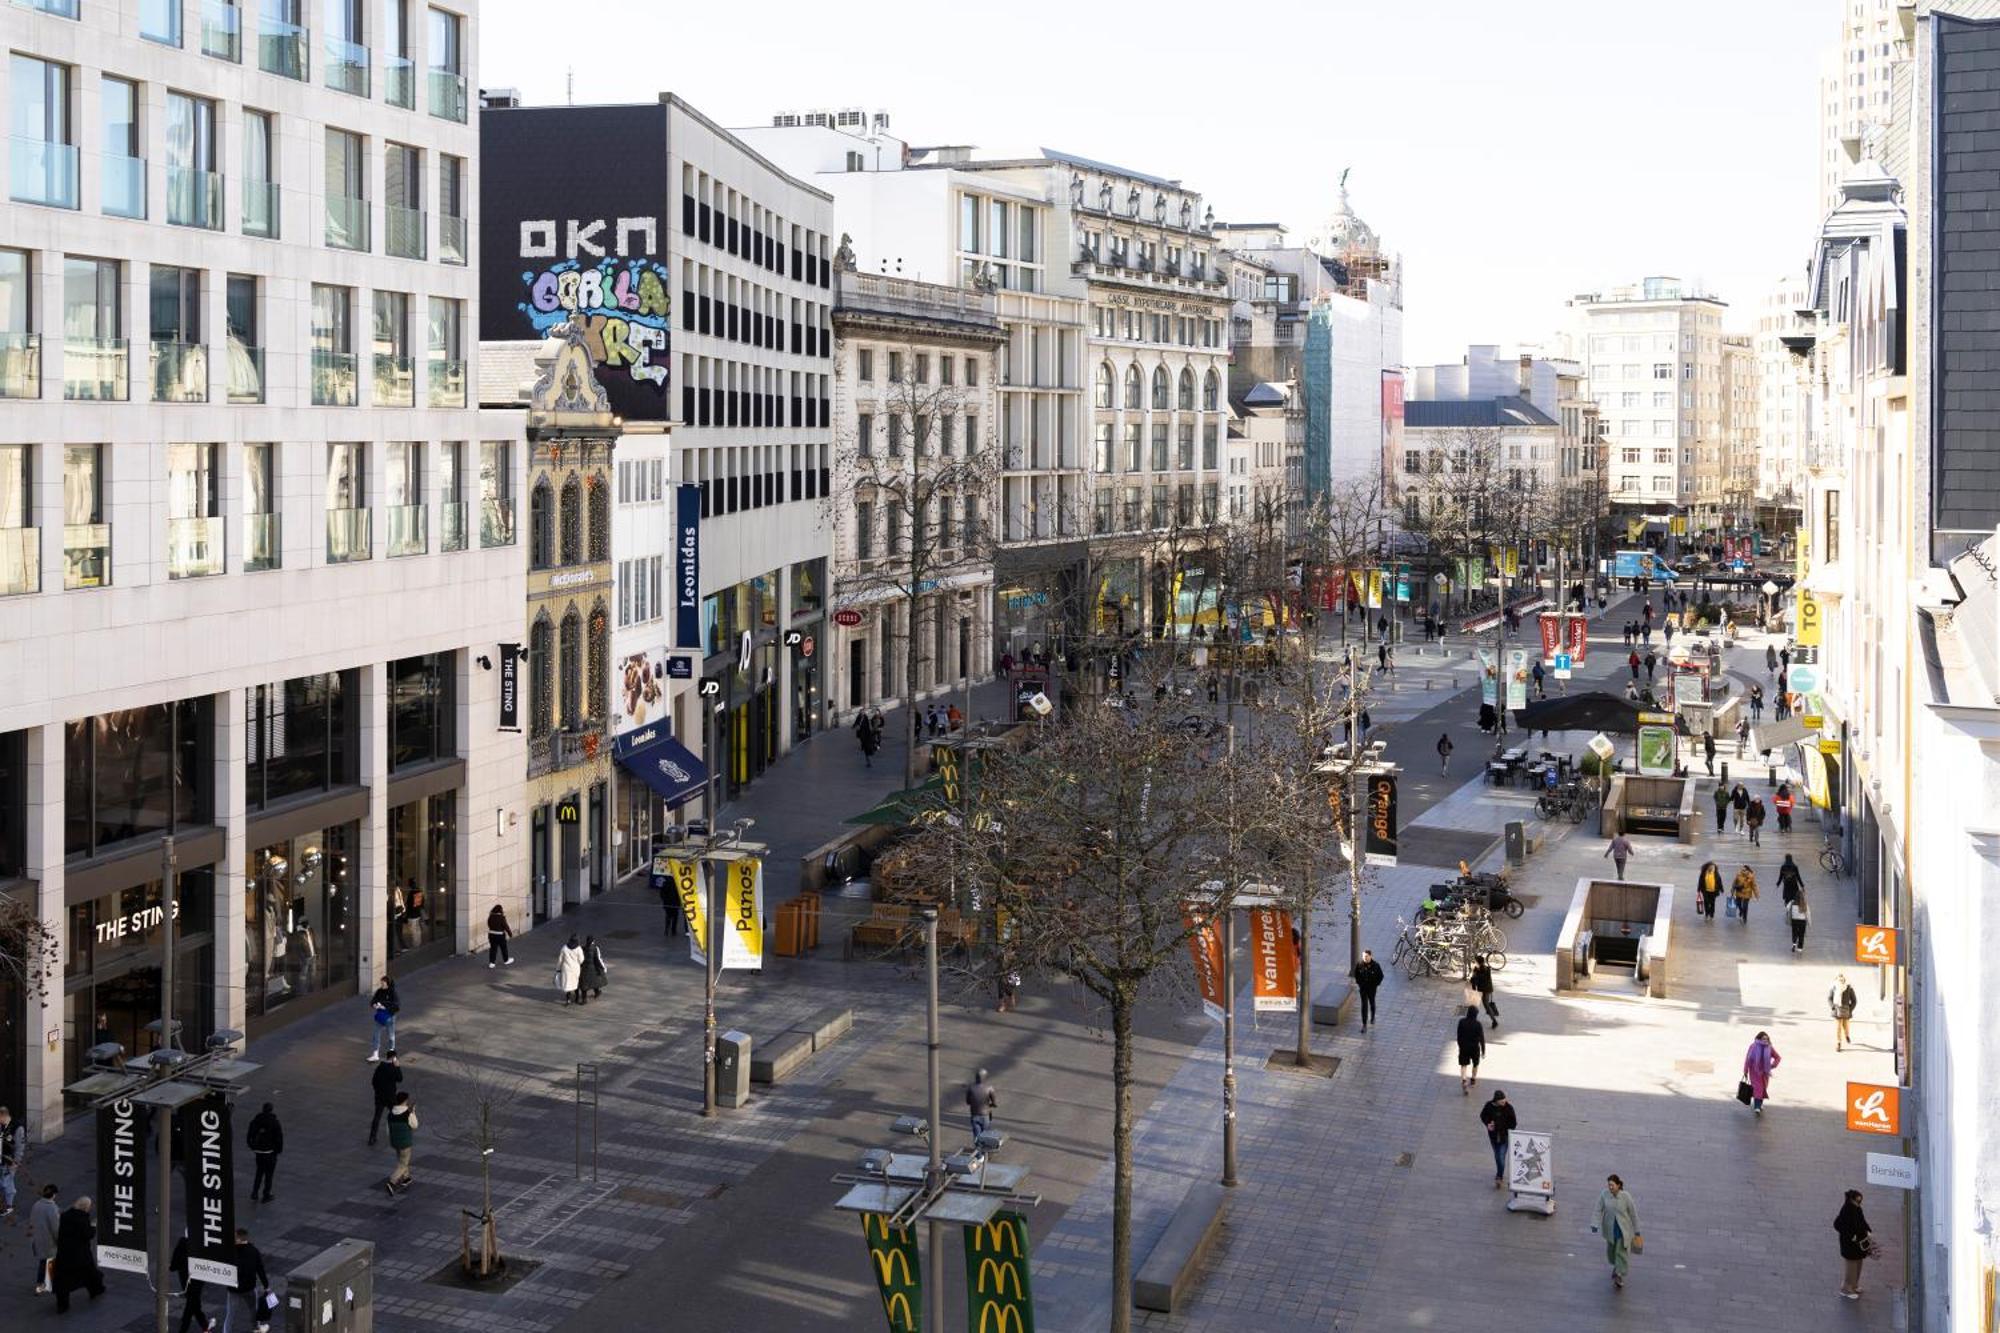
(1304, 1053)
(1121, 1161)
(910, 689)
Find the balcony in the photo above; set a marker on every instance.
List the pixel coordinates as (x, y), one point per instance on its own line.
(447, 384)
(180, 372)
(452, 521)
(194, 548)
(87, 555)
(347, 537)
(333, 379)
(281, 50)
(124, 186)
(261, 537)
(40, 172)
(346, 222)
(160, 21)
(222, 30)
(194, 198)
(448, 95)
(347, 67)
(395, 381)
(406, 530)
(95, 370)
(403, 231)
(20, 561)
(246, 373)
(451, 239)
(260, 209)
(399, 82)
(496, 523)
(20, 365)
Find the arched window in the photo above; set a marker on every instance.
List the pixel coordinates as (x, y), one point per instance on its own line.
(1104, 385)
(1187, 390)
(600, 518)
(569, 666)
(599, 662)
(572, 521)
(1134, 388)
(541, 526)
(1159, 388)
(541, 675)
(1211, 393)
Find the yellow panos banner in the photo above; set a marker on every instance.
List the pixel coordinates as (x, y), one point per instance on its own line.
(1374, 588)
(1678, 525)
(686, 878)
(892, 1254)
(998, 1298)
(1807, 632)
(1512, 563)
(743, 914)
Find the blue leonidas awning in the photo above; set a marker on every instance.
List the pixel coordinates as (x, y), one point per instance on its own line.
(661, 762)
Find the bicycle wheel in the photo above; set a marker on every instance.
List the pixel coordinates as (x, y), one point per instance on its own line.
(1514, 908)
(1577, 810)
(1496, 961)
(1545, 806)
(1490, 940)
(1830, 861)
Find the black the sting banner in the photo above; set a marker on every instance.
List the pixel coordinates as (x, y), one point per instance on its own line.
(510, 687)
(121, 1187)
(211, 1190)
(1380, 846)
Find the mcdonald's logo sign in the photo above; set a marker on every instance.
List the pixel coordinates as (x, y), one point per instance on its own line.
(1001, 1319)
(897, 1274)
(897, 1307)
(886, 1264)
(997, 1235)
(1002, 1274)
(998, 1299)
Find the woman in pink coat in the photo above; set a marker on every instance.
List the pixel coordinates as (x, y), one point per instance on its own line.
(1758, 1063)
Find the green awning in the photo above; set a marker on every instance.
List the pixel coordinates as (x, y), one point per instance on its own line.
(902, 807)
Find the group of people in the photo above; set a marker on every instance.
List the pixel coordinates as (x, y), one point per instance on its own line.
(1746, 809)
(581, 972)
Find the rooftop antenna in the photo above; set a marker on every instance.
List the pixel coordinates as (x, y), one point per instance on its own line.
(569, 85)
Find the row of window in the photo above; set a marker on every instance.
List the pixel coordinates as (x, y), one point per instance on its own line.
(641, 480)
(741, 311)
(926, 433)
(940, 537)
(559, 531)
(1152, 327)
(641, 590)
(739, 478)
(717, 215)
(715, 392)
(572, 654)
(1105, 458)
(1129, 510)
(916, 368)
(1211, 389)
(1000, 239)
(1146, 256)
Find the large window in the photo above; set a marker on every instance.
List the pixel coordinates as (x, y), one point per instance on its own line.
(135, 773)
(348, 526)
(447, 71)
(422, 857)
(86, 536)
(123, 184)
(541, 676)
(570, 664)
(301, 920)
(333, 365)
(496, 493)
(194, 511)
(180, 349)
(451, 209)
(94, 367)
(42, 157)
(346, 190)
(403, 200)
(194, 180)
(303, 737)
(260, 182)
(421, 696)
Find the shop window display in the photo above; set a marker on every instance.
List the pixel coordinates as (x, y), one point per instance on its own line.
(300, 917)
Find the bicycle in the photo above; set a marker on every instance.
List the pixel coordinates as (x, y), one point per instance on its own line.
(1831, 860)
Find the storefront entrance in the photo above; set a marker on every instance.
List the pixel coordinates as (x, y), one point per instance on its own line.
(112, 973)
(423, 844)
(301, 918)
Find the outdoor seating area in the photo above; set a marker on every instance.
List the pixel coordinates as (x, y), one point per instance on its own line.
(1521, 767)
(1618, 930)
(893, 926)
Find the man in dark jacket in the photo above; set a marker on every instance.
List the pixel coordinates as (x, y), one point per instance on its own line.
(251, 1280)
(1367, 976)
(191, 1310)
(266, 1139)
(1471, 1048)
(1498, 1117)
(981, 1101)
(388, 1076)
(76, 1255)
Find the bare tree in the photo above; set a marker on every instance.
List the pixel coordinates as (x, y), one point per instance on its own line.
(471, 1117)
(30, 953)
(1468, 504)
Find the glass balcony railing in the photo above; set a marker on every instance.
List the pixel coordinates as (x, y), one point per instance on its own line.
(333, 376)
(180, 372)
(496, 522)
(447, 384)
(20, 561)
(246, 372)
(451, 239)
(124, 186)
(222, 30)
(403, 232)
(347, 67)
(194, 548)
(160, 21)
(399, 82)
(95, 370)
(448, 95)
(406, 530)
(395, 381)
(62, 9)
(194, 198)
(20, 365)
(87, 555)
(452, 520)
(260, 209)
(346, 535)
(346, 222)
(40, 172)
(281, 50)
(261, 549)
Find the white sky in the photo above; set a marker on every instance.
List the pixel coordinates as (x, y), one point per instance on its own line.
(1514, 153)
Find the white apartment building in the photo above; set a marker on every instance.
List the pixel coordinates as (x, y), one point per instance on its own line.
(1726, 482)
(1443, 437)
(643, 693)
(1783, 410)
(1265, 439)
(1855, 89)
(259, 552)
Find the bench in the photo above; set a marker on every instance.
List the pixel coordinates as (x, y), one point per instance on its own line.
(1332, 1002)
(827, 1026)
(1170, 1265)
(773, 1061)
(887, 927)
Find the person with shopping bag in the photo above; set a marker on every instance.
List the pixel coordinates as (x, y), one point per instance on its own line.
(1617, 1222)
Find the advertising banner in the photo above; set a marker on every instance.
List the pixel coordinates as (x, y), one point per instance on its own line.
(1577, 636)
(1690, 687)
(1530, 1166)
(1403, 584)
(1489, 676)
(1205, 945)
(1275, 979)
(998, 1298)
(1517, 677)
(1875, 944)
(1379, 838)
(1374, 599)
(743, 904)
(510, 687)
(892, 1253)
(1874, 1108)
(1656, 751)
(686, 877)
(206, 1149)
(1551, 626)
(121, 1187)
(687, 566)
(1809, 620)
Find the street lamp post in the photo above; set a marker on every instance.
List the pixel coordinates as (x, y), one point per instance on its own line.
(934, 1108)
(163, 1232)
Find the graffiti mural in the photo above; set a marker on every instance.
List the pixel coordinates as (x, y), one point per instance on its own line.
(620, 306)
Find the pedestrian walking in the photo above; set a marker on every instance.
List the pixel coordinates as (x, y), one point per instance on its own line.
(1444, 748)
(1620, 851)
(498, 932)
(44, 1219)
(1618, 1222)
(595, 972)
(1367, 977)
(266, 1140)
(1541, 691)
(403, 1126)
(1742, 890)
(1481, 982)
(1708, 751)
(1707, 888)
(670, 906)
(1756, 703)
(1632, 660)
(76, 1255)
(385, 1081)
(1791, 883)
(1365, 726)
(383, 1006)
(981, 1101)
(1753, 819)
(1759, 1063)
(1840, 1001)
(867, 737)
(1856, 1243)
(1381, 657)
(1784, 803)
(1721, 805)
(1771, 660)
(1652, 662)
(569, 972)
(190, 1288)
(1471, 1049)
(1742, 736)
(1498, 1117)
(1797, 914)
(1739, 804)
(252, 1284)
(1785, 664)
(13, 1152)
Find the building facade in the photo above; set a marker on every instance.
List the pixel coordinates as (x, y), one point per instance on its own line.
(1783, 415)
(1728, 487)
(260, 549)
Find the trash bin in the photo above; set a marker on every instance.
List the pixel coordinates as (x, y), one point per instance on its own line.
(1517, 843)
(732, 1069)
(333, 1292)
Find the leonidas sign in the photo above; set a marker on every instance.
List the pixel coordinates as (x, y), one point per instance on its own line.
(1277, 960)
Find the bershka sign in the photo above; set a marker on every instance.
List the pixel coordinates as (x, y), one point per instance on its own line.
(121, 1187)
(510, 687)
(1379, 847)
(687, 566)
(211, 1191)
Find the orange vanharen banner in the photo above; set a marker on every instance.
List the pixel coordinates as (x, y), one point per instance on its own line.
(1276, 986)
(1875, 1108)
(1205, 943)
(1875, 944)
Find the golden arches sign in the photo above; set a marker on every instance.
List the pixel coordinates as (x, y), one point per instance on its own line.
(998, 1297)
(893, 1252)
